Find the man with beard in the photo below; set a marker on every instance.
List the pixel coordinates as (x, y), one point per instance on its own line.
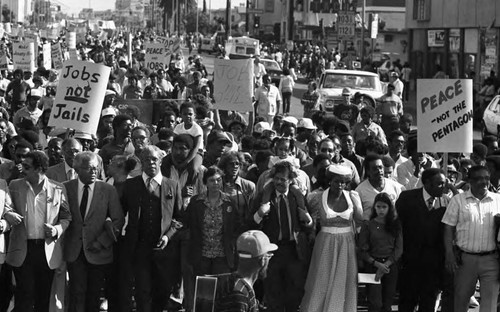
(14, 170)
(121, 143)
(54, 151)
(235, 290)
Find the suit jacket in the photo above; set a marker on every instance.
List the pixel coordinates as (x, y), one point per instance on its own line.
(171, 201)
(422, 229)
(271, 227)
(5, 205)
(81, 233)
(57, 173)
(57, 214)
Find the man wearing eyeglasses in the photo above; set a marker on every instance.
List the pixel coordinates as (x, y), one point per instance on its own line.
(97, 221)
(140, 139)
(39, 217)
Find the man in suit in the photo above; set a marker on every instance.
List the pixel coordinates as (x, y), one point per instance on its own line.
(64, 171)
(422, 269)
(280, 219)
(39, 217)
(152, 202)
(97, 219)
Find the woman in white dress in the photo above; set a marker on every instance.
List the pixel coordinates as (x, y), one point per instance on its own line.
(331, 284)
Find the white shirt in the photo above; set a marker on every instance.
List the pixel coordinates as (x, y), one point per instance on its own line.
(36, 211)
(70, 172)
(398, 87)
(80, 194)
(194, 131)
(268, 100)
(156, 180)
(367, 194)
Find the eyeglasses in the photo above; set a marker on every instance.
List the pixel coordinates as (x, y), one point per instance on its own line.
(327, 150)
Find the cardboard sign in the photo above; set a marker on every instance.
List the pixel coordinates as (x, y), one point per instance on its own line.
(233, 84)
(73, 54)
(156, 57)
(71, 39)
(47, 56)
(24, 55)
(57, 57)
(79, 97)
(444, 114)
(172, 46)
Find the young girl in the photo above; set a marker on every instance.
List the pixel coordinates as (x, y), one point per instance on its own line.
(381, 244)
(189, 126)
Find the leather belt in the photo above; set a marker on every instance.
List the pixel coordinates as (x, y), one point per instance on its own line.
(485, 253)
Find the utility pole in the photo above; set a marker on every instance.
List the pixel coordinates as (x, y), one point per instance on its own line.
(247, 17)
(290, 20)
(228, 19)
(363, 32)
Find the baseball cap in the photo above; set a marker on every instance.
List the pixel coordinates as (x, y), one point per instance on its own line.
(306, 123)
(108, 111)
(82, 135)
(394, 74)
(252, 244)
(36, 92)
(260, 127)
(217, 135)
(291, 120)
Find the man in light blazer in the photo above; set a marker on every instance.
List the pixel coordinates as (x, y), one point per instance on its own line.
(152, 202)
(97, 220)
(64, 171)
(39, 217)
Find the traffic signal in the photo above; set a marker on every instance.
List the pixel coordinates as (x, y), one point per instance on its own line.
(256, 22)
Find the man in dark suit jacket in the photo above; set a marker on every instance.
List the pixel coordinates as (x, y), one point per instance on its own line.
(422, 267)
(279, 217)
(97, 220)
(152, 202)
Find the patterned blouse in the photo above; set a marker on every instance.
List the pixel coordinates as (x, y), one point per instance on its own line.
(212, 246)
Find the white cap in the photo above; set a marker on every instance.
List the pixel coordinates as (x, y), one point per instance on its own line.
(260, 127)
(340, 170)
(36, 92)
(109, 92)
(290, 119)
(108, 111)
(306, 123)
(82, 135)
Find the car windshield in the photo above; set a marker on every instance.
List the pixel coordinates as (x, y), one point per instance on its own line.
(333, 80)
(271, 65)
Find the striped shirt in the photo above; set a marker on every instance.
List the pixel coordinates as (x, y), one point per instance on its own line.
(474, 221)
(234, 295)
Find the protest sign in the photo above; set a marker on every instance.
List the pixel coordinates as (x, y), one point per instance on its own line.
(233, 84)
(24, 55)
(47, 56)
(73, 54)
(444, 114)
(155, 56)
(71, 39)
(172, 46)
(79, 97)
(4, 60)
(145, 107)
(57, 58)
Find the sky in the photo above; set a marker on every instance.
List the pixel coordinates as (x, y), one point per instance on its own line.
(75, 6)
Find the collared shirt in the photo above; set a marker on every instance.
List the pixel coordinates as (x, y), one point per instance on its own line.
(406, 176)
(156, 180)
(212, 228)
(361, 131)
(401, 159)
(277, 205)
(36, 211)
(390, 105)
(268, 100)
(70, 172)
(474, 221)
(80, 194)
(240, 192)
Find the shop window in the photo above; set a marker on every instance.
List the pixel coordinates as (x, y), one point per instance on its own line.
(421, 10)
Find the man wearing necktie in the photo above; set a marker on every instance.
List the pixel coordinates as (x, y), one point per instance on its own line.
(280, 219)
(65, 171)
(422, 269)
(152, 202)
(97, 220)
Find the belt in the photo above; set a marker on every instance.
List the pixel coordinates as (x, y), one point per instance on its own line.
(36, 241)
(485, 253)
(336, 230)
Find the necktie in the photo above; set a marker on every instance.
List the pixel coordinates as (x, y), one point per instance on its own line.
(285, 225)
(151, 186)
(85, 199)
(70, 175)
(430, 203)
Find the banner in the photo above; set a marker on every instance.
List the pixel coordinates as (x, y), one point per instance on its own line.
(233, 84)
(145, 107)
(155, 57)
(47, 56)
(24, 55)
(79, 97)
(57, 58)
(444, 114)
(71, 39)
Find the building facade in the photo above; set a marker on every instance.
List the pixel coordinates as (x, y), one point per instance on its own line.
(460, 36)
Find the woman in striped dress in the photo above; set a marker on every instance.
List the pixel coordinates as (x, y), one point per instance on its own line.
(331, 284)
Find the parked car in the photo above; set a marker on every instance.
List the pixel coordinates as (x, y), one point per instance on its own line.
(273, 69)
(491, 117)
(332, 81)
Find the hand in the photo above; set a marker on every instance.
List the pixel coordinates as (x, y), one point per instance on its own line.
(188, 191)
(95, 246)
(13, 218)
(264, 209)
(381, 267)
(163, 242)
(450, 263)
(304, 216)
(177, 224)
(50, 230)
(378, 275)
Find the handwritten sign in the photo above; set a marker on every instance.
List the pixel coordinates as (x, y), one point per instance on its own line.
(57, 57)
(155, 57)
(233, 85)
(71, 39)
(24, 55)
(172, 46)
(47, 56)
(79, 96)
(444, 113)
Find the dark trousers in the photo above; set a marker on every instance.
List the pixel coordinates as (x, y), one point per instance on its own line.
(6, 288)
(381, 296)
(287, 98)
(33, 280)
(113, 279)
(389, 124)
(86, 280)
(406, 90)
(284, 286)
(213, 266)
(420, 282)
